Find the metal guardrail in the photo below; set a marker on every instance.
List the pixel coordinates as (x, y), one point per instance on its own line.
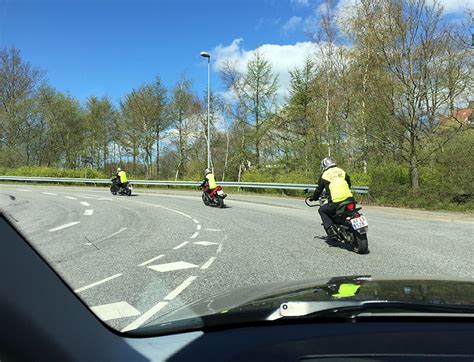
(258, 185)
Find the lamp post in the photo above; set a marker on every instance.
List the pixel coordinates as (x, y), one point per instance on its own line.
(208, 56)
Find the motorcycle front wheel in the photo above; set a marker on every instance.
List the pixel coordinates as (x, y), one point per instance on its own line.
(220, 202)
(113, 190)
(204, 199)
(360, 243)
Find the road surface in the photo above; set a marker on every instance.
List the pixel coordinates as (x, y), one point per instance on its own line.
(134, 259)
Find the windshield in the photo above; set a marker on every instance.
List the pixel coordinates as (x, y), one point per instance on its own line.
(176, 159)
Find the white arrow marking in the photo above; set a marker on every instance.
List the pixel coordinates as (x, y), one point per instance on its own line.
(180, 245)
(145, 316)
(83, 203)
(151, 260)
(114, 310)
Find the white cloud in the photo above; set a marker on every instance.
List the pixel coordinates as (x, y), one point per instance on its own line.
(301, 3)
(283, 58)
(291, 23)
(455, 6)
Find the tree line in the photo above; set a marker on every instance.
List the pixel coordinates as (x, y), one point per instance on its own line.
(381, 89)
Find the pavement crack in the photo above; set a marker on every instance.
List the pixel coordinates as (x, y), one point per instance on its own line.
(90, 242)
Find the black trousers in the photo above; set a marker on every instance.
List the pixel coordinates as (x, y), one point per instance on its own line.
(326, 211)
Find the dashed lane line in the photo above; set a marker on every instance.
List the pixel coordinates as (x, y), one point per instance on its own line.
(217, 230)
(204, 243)
(178, 265)
(71, 198)
(23, 190)
(194, 236)
(151, 260)
(180, 288)
(69, 224)
(197, 222)
(83, 203)
(219, 248)
(198, 227)
(112, 235)
(110, 311)
(180, 245)
(50, 193)
(208, 263)
(97, 283)
(145, 316)
(88, 212)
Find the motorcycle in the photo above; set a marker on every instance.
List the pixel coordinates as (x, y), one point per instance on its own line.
(116, 188)
(215, 198)
(351, 225)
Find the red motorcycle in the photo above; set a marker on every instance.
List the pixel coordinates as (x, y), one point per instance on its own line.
(215, 198)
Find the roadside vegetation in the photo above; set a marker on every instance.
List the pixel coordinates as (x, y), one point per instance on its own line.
(388, 91)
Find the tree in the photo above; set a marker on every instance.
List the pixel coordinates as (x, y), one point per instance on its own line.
(256, 91)
(417, 52)
(18, 84)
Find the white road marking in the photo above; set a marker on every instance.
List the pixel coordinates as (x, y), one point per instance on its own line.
(145, 316)
(69, 224)
(88, 212)
(104, 199)
(88, 244)
(204, 243)
(176, 211)
(97, 283)
(213, 230)
(23, 190)
(151, 260)
(194, 236)
(209, 262)
(219, 248)
(114, 310)
(180, 245)
(71, 198)
(198, 227)
(112, 235)
(180, 288)
(172, 266)
(50, 193)
(197, 222)
(83, 203)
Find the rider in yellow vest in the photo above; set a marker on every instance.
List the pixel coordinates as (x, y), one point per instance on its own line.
(337, 183)
(210, 180)
(122, 176)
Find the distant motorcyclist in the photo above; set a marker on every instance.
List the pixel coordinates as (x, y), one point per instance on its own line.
(337, 183)
(121, 177)
(209, 181)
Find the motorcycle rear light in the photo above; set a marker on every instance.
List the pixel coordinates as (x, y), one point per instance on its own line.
(351, 206)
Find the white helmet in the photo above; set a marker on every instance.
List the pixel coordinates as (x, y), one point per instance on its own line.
(119, 169)
(207, 172)
(327, 162)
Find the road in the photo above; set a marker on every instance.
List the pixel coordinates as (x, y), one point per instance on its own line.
(133, 259)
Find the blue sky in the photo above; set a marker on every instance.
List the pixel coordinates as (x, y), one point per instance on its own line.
(108, 47)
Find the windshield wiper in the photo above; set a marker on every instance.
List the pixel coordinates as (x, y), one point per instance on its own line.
(352, 308)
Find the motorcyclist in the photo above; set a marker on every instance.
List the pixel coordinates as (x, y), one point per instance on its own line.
(209, 180)
(337, 183)
(122, 177)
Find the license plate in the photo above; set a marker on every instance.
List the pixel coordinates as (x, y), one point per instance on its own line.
(359, 223)
(220, 192)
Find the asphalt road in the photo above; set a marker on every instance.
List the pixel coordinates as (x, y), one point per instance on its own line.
(133, 259)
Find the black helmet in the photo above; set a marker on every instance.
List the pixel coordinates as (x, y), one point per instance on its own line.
(327, 162)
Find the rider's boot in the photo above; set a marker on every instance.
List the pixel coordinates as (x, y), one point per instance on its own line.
(331, 231)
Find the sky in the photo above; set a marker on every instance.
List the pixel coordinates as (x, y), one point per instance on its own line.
(109, 47)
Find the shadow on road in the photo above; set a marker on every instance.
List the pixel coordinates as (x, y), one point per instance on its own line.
(333, 243)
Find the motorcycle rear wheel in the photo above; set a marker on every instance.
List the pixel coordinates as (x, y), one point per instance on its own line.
(360, 243)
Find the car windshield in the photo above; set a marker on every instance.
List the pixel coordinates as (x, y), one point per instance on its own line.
(172, 160)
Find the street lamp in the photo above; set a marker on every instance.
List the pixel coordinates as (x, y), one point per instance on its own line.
(208, 56)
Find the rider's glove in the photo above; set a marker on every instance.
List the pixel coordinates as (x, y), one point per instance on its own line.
(311, 199)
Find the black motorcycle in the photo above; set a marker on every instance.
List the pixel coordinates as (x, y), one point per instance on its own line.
(351, 225)
(117, 188)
